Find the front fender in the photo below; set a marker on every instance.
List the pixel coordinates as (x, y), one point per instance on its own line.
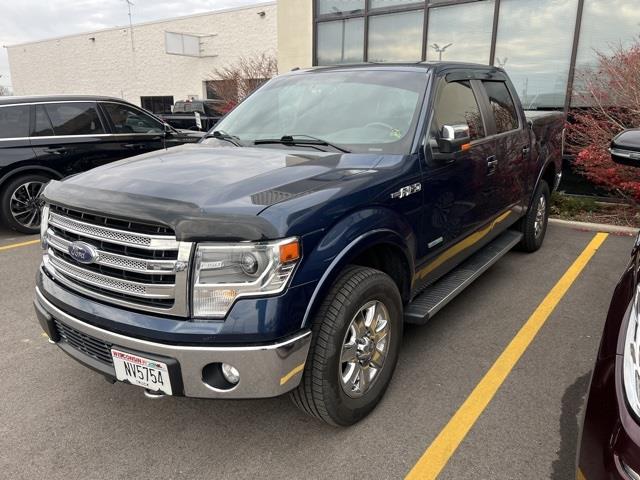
(349, 238)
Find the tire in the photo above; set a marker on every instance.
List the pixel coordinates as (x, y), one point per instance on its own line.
(534, 225)
(18, 203)
(327, 389)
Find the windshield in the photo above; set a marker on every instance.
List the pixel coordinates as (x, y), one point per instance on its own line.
(362, 111)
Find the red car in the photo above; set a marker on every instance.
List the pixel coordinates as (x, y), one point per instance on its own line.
(610, 443)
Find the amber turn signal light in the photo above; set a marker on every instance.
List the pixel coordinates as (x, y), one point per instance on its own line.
(289, 252)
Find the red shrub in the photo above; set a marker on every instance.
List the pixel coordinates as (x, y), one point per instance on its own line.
(611, 94)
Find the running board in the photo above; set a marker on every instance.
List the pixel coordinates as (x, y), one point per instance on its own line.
(436, 296)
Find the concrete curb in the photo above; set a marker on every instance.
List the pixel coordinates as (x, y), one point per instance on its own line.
(595, 227)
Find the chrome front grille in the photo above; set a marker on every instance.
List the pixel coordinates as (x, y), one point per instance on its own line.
(143, 267)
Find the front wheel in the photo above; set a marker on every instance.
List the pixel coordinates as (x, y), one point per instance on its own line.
(19, 203)
(356, 338)
(534, 224)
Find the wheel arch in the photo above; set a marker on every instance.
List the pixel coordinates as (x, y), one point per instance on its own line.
(548, 174)
(383, 248)
(28, 170)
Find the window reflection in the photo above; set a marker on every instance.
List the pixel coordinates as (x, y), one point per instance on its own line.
(606, 26)
(456, 104)
(341, 41)
(337, 6)
(460, 32)
(396, 37)
(534, 46)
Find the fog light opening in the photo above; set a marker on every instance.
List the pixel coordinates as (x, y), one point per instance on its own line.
(220, 376)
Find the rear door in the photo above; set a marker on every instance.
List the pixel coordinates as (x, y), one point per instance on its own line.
(133, 130)
(456, 192)
(509, 175)
(69, 136)
(15, 147)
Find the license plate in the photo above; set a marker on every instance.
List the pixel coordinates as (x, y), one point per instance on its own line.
(141, 371)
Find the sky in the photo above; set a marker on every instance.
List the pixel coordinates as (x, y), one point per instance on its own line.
(30, 20)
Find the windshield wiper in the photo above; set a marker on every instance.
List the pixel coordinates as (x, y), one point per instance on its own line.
(295, 141)
(222, 135)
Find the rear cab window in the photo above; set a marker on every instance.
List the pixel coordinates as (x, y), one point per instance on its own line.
(502, 106)
(14, 121)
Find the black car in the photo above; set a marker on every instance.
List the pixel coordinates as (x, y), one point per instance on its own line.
(44, 138)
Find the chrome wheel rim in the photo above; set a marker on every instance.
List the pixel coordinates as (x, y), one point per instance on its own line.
(23, 204)
(541, 211)
(364, 349)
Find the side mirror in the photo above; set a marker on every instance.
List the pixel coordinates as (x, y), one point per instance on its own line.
(625, 148)
(168, 130)
(453, 137)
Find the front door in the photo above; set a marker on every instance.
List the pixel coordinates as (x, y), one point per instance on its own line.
(133, 131)
(456, 192)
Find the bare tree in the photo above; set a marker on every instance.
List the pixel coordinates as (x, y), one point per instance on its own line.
(231, 84)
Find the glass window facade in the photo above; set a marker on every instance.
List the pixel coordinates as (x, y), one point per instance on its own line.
(606, 27)
(461, 32)
(396, 37)
(339, 6)
(342, 41)
(534, 41)
(534, 46)
(390, 3)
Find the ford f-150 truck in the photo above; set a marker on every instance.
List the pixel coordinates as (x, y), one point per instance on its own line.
(285, 251)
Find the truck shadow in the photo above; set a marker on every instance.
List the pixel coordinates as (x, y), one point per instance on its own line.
(573, 404)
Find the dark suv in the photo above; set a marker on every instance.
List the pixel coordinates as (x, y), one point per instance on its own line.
(44, 138)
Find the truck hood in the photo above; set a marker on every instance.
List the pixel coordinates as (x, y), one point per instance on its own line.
(206, 192)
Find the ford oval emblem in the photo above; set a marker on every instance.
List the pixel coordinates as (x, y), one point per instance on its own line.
(83, 252)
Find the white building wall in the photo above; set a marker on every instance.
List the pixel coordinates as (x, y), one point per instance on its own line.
(108, 66)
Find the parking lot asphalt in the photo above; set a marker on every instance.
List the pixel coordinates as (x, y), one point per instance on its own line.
(60, 420)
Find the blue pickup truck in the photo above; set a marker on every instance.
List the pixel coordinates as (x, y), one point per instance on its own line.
(285, 251)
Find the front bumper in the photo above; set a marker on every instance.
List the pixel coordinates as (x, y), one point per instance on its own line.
(265, 370)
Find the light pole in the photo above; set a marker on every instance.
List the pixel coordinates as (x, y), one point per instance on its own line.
(440, 50)
(129, 5)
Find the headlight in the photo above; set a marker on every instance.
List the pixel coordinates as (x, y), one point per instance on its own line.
(224, 273)
(631, 363)
(44, 225)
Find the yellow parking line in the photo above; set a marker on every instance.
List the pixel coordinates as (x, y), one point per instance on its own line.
(434, 459)
(580, 475)
(16, 245)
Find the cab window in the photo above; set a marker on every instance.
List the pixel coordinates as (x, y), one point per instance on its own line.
(456, 104)
(504, 110)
